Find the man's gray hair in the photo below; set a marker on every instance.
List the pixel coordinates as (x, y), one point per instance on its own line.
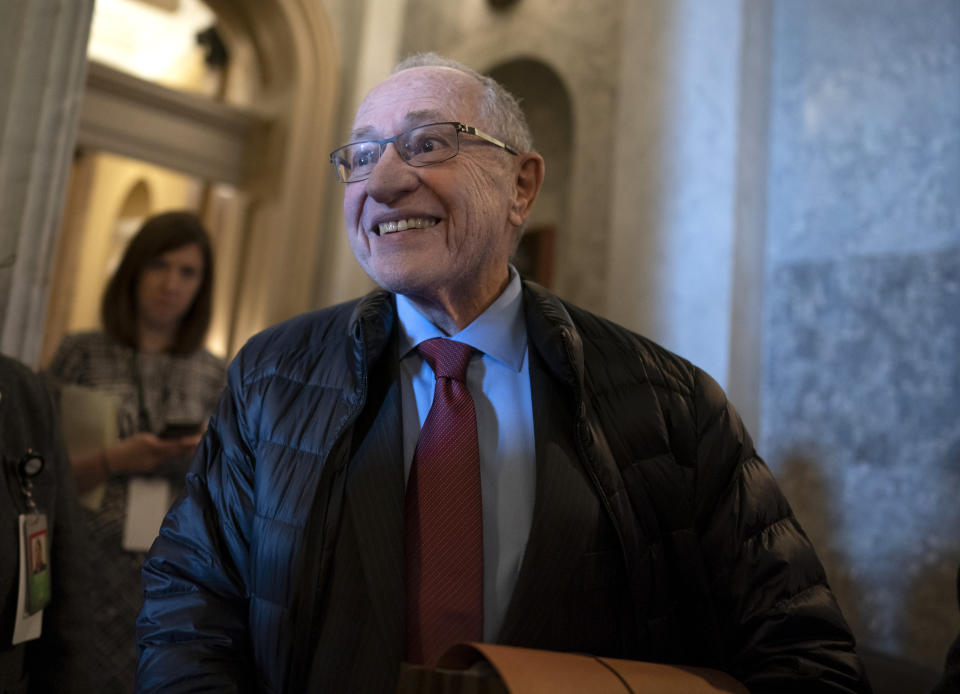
(499, 108)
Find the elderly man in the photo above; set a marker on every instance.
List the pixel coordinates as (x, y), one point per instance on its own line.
(462, 456)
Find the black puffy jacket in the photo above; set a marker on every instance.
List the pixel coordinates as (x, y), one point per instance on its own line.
(720, 573)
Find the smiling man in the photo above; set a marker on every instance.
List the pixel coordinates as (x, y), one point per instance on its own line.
(422, 224)
(463, 456)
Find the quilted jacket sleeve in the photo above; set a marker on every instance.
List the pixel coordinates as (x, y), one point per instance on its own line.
(783, 630)
(192, 632)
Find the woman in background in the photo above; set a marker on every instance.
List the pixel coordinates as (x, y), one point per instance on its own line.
(163, 386)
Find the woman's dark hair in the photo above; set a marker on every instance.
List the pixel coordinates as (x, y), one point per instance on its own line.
(159, 234)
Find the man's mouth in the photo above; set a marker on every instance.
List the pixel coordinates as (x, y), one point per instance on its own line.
(404, 224)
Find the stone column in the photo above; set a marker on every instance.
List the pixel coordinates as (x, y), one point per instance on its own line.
(686, 240)
(42, 70)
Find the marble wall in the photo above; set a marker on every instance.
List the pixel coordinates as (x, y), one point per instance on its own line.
(861, 326)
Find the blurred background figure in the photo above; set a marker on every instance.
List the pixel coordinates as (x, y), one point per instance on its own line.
(134, 400)
(43, 651)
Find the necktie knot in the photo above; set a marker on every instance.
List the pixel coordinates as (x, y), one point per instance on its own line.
(447, 358)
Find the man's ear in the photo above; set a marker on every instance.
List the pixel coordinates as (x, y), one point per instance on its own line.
(527, 186)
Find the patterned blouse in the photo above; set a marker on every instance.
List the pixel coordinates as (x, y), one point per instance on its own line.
(152, 391)
(175, 388)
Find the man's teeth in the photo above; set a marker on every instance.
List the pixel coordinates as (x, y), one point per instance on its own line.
(402, 224)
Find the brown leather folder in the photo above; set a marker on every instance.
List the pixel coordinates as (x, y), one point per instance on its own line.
(482, 668)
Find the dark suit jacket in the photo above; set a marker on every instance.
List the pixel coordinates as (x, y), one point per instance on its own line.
(573, 557)
(657, 532)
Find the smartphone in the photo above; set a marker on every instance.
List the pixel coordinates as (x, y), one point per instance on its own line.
(177, 430)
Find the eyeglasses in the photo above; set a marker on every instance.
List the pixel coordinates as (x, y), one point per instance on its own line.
(424, 145)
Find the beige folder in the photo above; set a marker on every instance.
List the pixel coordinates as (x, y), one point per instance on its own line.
(492, 669)
(88, 420)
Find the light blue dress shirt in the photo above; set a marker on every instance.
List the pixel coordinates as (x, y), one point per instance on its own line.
(499, 381)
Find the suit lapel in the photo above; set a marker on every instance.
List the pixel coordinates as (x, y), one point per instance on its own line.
(374, 492)
(557, 542)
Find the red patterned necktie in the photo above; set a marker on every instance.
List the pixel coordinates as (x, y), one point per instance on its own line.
(444, 516)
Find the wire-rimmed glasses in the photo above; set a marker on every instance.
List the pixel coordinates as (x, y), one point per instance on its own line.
(424, 145)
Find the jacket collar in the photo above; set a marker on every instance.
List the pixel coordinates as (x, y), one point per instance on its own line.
(552, 332)
(549, 328)
(369, 328)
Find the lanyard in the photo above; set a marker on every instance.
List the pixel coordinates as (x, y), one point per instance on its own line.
(143, 417)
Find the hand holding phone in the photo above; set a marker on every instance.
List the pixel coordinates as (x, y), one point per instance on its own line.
(177, 430)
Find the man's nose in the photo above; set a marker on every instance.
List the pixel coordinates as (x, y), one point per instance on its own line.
(392, 177)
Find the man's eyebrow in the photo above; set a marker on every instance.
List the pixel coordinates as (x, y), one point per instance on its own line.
(414, 118)
(365, 133)
(410, 120)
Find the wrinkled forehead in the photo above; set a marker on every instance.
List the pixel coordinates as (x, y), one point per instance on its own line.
(416, 96)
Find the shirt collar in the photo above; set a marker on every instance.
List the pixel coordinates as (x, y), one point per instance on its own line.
(498, 332)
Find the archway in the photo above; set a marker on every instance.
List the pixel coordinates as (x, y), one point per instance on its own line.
(268, 149)
(294, 46)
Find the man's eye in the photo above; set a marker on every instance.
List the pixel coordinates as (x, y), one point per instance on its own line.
(363, 156)
(423, 144)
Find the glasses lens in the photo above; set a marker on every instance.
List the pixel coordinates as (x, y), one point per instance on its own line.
(355, 161)
(428, 144)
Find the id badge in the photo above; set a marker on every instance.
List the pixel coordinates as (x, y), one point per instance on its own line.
(38, 561)
(148, 500)
(34, 589)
